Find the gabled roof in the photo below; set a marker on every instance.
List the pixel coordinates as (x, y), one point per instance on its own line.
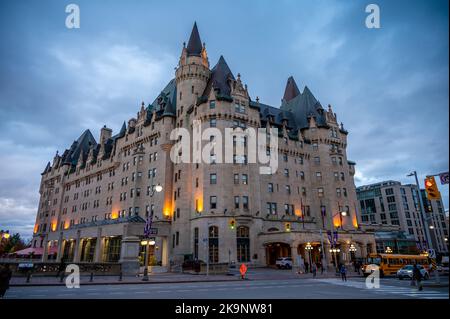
(219, 79)
(166, 102)
(82, 144)
(304, 106)
(47, 169)
(291, 90)
(194, 46)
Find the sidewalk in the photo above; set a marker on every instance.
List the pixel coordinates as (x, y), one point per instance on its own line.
(160, 278)
(115, 280)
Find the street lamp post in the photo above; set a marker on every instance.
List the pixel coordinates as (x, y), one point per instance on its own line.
(309, 247)
(422, 211)
(4, 234)
(352, 249)
(335, 249)
(158, 188)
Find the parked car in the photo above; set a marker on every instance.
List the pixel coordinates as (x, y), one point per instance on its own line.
(284, 263)
(407, 272)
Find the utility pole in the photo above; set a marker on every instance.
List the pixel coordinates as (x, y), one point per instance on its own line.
(422, 212)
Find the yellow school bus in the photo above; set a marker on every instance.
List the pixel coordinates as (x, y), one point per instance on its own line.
(389, 264)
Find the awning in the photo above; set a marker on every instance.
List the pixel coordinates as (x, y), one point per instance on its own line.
(38, 251)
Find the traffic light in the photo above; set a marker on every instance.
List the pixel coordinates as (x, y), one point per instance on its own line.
(287, 227)
(232, 224)
(431, 188)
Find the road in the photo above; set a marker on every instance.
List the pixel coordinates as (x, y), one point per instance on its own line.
(320, 288)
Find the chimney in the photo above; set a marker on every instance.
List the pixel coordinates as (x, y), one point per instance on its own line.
(105, 133)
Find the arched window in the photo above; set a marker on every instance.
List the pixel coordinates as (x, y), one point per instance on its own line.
(243, 244)
(213, 244)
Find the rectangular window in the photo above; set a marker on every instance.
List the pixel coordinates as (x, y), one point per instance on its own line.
(212, 122)
(270, 188)
(236, 178)
(271, 208)
(245, 202)
(212, 104)
(320, 192)
(236, 202)
(213, 202)
(244, 179)
(213, 178)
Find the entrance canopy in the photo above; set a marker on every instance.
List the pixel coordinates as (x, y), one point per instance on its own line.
(37, 251)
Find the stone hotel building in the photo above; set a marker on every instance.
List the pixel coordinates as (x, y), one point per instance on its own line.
(97, 195)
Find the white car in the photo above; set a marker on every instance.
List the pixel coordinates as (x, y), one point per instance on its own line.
(284, 262)
(407, 272)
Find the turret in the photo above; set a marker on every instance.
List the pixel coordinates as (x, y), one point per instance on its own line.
(192, 73)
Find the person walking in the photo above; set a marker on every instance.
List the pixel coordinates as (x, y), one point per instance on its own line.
(343, 272)
(417, 277)
(5, 277)
(61, 268)
(314, 269)
(358, 267)
(306, 267)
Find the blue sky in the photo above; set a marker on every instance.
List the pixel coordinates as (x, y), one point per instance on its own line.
(388, 86)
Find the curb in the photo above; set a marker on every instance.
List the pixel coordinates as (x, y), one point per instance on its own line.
(121, 283)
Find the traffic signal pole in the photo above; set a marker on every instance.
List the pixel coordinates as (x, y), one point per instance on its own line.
(422, 214)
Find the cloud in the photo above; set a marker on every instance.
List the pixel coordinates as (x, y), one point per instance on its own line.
(85, 86)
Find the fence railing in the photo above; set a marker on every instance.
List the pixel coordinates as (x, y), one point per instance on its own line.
(24, 267)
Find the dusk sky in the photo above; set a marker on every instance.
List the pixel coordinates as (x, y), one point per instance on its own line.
(389, 86)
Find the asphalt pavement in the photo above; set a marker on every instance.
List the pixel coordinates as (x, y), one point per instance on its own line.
(288, 288)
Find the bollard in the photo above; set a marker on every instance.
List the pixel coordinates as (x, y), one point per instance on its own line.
(92, 277)
(120, 276)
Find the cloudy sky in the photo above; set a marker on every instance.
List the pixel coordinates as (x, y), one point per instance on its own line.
(389, 86)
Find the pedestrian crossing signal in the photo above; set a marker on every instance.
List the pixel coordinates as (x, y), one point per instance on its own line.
(432, 189)
(287, 227)
(232, 224)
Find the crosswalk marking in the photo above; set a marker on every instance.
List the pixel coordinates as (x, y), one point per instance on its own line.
(385, 289)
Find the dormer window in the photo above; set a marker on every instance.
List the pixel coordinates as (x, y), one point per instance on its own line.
(212, 104)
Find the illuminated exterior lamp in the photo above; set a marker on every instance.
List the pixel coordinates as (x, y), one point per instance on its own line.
(152, 242)
(158, 188)
(6, 234)
(352, 248)
(388, 250)
(309, 247)
(431, 227)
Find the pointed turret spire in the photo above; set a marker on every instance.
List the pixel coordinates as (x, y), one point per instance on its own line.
(291, 90)
(194, 46)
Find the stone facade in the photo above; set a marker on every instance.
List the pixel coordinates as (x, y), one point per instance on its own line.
(96, 196)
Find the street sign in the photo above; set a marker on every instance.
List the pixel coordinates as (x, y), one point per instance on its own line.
(153, 231)
(431, 253)
(445, 178)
